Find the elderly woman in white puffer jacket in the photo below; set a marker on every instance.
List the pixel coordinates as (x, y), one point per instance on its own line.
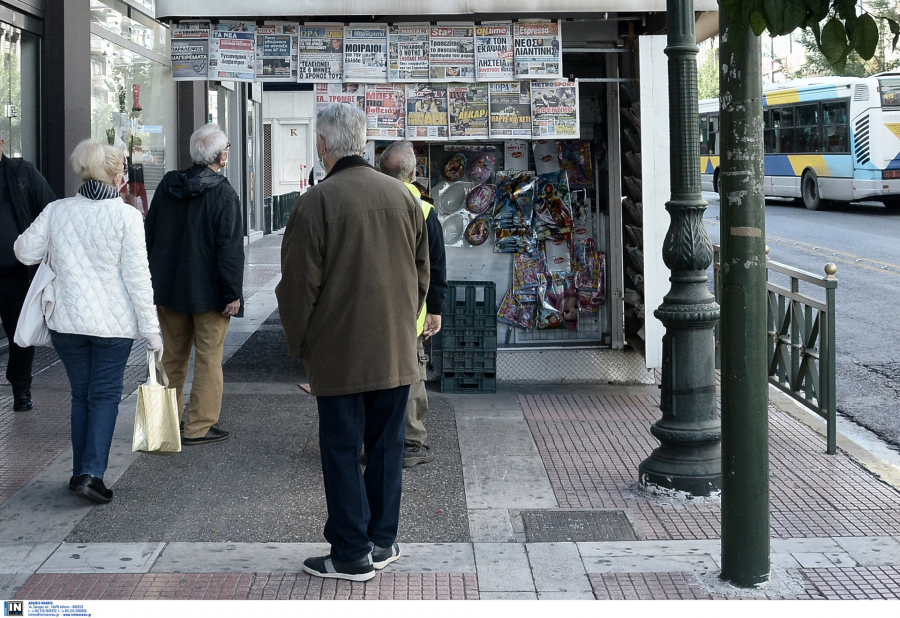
(100, 301)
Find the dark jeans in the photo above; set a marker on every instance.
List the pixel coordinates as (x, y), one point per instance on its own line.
(96, 370)
(14, 282)
(362, 507)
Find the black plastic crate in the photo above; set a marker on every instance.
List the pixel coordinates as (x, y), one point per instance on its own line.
(471, 304)
(474, 382)
(469, 361)
(470, 339)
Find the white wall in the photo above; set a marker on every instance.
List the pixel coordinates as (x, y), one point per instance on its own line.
(293, 148)
(656, 186)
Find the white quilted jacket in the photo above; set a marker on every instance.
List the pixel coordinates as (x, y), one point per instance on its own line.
(97, 250)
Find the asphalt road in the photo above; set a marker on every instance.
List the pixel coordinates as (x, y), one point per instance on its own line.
(863, 240)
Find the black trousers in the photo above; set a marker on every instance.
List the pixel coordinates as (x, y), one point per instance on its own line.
(14, 282)
(362, 507)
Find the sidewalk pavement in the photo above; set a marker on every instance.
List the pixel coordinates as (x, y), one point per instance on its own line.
(532, 495)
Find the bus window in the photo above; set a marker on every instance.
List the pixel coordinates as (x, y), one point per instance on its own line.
(714, 134)
(704, 135)
(782, 120)
(890, 91)
(834, 127)
(807, 131)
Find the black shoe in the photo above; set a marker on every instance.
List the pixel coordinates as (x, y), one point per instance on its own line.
(383, 556)
(213, 435)
(22, 400)
(93, 489)
(414, 455)
(73, 483)
(324, 566)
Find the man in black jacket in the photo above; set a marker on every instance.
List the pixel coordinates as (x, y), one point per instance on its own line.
(23, 195)
(399, 161)
(195, 245)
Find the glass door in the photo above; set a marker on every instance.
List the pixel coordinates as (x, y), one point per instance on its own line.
(19, 104)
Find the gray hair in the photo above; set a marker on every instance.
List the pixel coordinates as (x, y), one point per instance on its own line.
(398, 160)
(207, 143)
(96, 161)
(343, 128)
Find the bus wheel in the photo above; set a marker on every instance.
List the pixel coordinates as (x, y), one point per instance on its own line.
(716, 181)
(892, 203)
(809, 191)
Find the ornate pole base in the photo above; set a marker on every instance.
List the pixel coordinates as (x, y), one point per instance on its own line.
(694, 470)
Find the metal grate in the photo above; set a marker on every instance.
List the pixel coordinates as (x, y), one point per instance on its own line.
(861, 92)
(267, 160)
(576, 526)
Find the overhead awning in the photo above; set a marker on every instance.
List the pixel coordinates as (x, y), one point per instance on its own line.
(305, 9)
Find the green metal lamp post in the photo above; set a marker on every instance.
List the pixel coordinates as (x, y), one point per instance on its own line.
(688, 459)
(745, 436)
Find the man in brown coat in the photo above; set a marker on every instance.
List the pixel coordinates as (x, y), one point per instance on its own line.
(355, 272)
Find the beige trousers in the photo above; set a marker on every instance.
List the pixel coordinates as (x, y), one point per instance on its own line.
(417, 405)
(206, 332)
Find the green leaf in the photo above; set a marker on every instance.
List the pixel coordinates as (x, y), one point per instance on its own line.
(819, 8)
(731, 7)
(868, 37)
(834, 41)
(757, 23)
(775, 13)
(893, 25)
(817, 33)
(737, 30)
(784, 16)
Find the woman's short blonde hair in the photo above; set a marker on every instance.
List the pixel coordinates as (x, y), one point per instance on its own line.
(96, 161)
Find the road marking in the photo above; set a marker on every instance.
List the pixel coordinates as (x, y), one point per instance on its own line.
(834, 255)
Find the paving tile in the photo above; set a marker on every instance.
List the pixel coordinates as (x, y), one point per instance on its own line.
(649, 548)
(102, 558)
(872, 551)
(789, 546)
(503, 567)
(812, 560)
(236, 557)
(508, 596)
(507, 482)
(567, 596)
(841, 559)
(435, 558)
(783, 561)
(491, 526)
(557, 567)
(482, 438)
(24, 557)
(638, 564)
(11, 583)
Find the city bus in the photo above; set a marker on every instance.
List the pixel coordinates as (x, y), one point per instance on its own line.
(827, 140)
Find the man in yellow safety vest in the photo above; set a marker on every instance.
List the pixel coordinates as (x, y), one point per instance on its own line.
(399, 161)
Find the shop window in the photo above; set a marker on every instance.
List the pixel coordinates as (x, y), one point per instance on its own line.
(133, 109)
(19, 107)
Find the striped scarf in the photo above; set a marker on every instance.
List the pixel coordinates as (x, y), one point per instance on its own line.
(96, 190)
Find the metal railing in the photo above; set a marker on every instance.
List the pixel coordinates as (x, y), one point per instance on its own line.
(800, 338)
(277, 209)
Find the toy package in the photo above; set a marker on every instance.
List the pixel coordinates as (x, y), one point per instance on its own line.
(590, 265)
(513, 212)
(575, 158)
(552, 207)
(558, 304)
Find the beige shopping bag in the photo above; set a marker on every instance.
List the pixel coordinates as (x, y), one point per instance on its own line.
(156, 420)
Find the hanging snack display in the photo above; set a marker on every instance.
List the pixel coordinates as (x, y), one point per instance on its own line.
(455, 167)
(552, 207)
(513, 212)
(480, 199)
(478, 231)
